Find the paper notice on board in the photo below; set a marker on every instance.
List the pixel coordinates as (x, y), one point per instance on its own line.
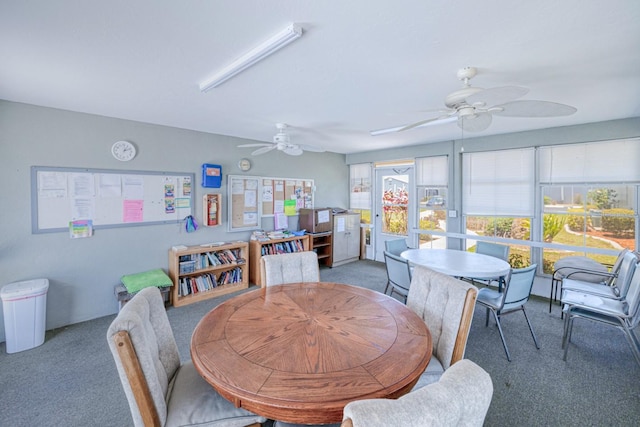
(280, 221)
(278, 206)
(109, 185)
(250, 218)
(81, 228)
(82, 208)
(290, 207)
(250, 199)
(52, 184)
(267, 194)
(133, 187)
(132, 210)
(82, 184)
(237, 186)
(340, 224)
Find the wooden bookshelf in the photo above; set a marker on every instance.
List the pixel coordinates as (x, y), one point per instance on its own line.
(322, 244)
(274, 246)
(208, 271)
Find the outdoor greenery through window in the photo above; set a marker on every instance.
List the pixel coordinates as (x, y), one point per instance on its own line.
(432, 177)
(598, 216)
(590, 199)
(506, 228)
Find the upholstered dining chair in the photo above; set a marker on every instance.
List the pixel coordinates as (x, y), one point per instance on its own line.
(460, 398)
(395, 246)
(160, 390)
(513, 298)
(623, 313)
(398, 274)
(291, 267)
(446, 305)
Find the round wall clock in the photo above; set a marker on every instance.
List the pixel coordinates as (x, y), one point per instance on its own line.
(244, 165)
(123, 151)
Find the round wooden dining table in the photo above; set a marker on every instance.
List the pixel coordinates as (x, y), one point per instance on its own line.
(300, 352)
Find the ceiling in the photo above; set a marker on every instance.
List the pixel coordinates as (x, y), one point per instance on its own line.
(360, 65)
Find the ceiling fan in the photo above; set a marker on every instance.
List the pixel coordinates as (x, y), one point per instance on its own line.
(281, 141)
(473, 107)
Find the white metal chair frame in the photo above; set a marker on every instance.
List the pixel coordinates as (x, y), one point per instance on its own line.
(623, 314)
(398, 274)
(516, 294)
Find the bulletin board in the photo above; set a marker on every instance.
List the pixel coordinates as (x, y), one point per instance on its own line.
(255, 197)
(107, 198)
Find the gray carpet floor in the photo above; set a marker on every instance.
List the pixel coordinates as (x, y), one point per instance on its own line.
(71, 379)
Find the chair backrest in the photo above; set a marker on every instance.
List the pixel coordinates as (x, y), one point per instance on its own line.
(292, 267)
(518, 287)
(615, 268)
(396, 246)
(460, 398)
(625, 272)
(146, 355)
(398, 272)
(493, 249)
(633, 299)
(446, 305)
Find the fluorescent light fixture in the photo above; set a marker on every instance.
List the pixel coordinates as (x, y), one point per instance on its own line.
(275, 43)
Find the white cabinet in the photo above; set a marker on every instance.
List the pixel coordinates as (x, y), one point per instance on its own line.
(346, 238)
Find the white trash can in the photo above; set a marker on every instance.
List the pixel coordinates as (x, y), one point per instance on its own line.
(25, 311)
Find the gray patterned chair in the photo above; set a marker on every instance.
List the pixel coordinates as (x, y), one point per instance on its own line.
(446, 305)
(292, 267)
(161, 391)
(460, 398)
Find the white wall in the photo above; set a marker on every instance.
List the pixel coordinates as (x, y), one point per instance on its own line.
(83, 272)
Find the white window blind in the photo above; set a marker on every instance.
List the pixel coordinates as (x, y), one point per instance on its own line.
(360, 193)
(432, 171)
(609, 161)
(498, 183)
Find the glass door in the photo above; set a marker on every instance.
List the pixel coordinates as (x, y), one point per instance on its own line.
(394, 206)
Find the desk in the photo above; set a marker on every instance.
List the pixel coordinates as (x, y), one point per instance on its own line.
(300, 352)
(459, 263)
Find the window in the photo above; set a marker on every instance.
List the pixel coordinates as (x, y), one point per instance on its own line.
(360, 194)
(498, 198)
(432, 177)
(590, 199)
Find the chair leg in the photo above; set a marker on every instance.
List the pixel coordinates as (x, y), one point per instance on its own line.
(567, 335)
(504, 343)
(535, 340)
(386, 289)
(486, 321)
(633, 342)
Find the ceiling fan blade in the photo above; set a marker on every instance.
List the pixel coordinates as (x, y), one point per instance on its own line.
(531, 108)
(312, 148)
(429, 122)
(263, 144)
(475, 122)
(496, 95)
(293, 150)
(264, 150)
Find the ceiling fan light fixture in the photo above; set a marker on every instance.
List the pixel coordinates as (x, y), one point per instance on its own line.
(278, 41)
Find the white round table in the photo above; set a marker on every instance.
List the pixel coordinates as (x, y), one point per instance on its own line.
(459, 263)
